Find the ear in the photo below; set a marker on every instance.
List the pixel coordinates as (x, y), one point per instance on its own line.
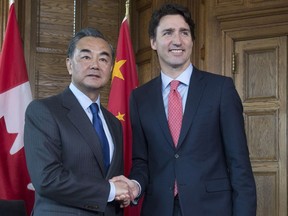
(153, 44)
(69, 65)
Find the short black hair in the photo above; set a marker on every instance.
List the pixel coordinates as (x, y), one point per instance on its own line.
(170, 9)
(85, 33)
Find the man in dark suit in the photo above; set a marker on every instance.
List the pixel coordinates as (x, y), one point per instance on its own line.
(67, 166)
(203, 170)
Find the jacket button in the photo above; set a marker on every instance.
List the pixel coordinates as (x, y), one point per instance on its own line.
(176, 156)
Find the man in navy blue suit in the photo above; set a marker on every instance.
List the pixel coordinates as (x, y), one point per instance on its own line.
(207, 171)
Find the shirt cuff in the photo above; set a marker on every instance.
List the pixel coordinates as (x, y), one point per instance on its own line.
(135, 201)
(139, 187)
(112, 192)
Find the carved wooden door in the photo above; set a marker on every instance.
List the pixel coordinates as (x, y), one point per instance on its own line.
(261, 79)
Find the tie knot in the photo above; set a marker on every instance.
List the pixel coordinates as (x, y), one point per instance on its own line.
(174, 84)
(94, 108)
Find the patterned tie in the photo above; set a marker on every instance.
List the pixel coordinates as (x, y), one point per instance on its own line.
(97, 123)
(174, 111)
(175, 114)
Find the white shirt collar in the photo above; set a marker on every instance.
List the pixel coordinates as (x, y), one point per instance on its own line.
(184, 77)
(84, 101)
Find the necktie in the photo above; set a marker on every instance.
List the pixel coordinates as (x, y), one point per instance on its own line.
(174, 111)
(175, 114)
(97, 124)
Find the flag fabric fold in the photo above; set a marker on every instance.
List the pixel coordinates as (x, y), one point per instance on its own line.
(124, 80)
(15, 95)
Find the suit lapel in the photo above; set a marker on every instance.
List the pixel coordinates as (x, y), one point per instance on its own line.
(160, 110)
(80, 121)
(112, 130)
(196, 89)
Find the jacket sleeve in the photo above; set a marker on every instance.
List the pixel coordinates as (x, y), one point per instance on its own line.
(237, 153)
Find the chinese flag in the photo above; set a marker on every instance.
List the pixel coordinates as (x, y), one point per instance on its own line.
(15, 94)
(124, 80)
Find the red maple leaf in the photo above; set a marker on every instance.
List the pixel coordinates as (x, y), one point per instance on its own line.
(6, 139)
(13, 171)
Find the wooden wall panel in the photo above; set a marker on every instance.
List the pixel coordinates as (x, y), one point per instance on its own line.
(52, 75)
(267, 196)
(53, 23)
(263, 142)
(261, 83)
(145, 72)
(227, 6)
(104, 15)
(141, 12)
(142, 33)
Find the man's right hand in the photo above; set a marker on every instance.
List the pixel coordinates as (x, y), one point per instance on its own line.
(121, 193)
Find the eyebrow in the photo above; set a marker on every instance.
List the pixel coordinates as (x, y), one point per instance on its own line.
(168, 29)
(85, 50)
(101, 54)
(173, 29)
(105, 53)
(185, 29)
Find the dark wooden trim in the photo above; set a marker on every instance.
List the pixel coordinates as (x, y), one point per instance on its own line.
(30, 39)
(4, 9)
(81, 19)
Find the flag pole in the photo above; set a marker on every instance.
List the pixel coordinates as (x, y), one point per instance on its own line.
(11, 2)
(127, 10)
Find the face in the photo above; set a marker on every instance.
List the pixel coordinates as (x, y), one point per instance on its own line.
(91, 65)
(173, 44)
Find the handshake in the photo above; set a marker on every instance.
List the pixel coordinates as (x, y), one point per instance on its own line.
(126, 190)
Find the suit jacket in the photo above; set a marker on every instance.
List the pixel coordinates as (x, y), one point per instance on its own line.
(64, 158)
(211, 162)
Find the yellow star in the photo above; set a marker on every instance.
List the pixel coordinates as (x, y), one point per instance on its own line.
(116, 70)
(120, 116)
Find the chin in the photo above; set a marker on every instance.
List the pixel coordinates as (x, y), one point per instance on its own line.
(177, 65)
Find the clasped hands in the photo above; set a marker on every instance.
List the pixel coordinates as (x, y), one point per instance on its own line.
(126, 190)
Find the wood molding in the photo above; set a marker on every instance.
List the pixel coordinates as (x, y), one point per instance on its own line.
(4, 9)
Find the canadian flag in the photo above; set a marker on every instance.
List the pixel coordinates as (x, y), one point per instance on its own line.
(15, 95)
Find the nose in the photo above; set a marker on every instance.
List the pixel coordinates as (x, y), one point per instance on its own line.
(177, 39)
(94, 64)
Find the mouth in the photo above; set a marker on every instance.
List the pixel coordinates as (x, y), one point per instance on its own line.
(93, 76)
(176, 51)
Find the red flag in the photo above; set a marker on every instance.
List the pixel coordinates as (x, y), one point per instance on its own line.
(124, 80)
(15, 95)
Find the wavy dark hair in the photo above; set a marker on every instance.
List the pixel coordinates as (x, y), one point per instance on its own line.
(170, 9)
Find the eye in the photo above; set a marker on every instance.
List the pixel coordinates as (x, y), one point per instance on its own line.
(168, 33)
(186, 33)
(103, 60)
(85, 57)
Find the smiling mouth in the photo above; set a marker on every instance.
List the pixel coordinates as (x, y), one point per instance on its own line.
(177, 51)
